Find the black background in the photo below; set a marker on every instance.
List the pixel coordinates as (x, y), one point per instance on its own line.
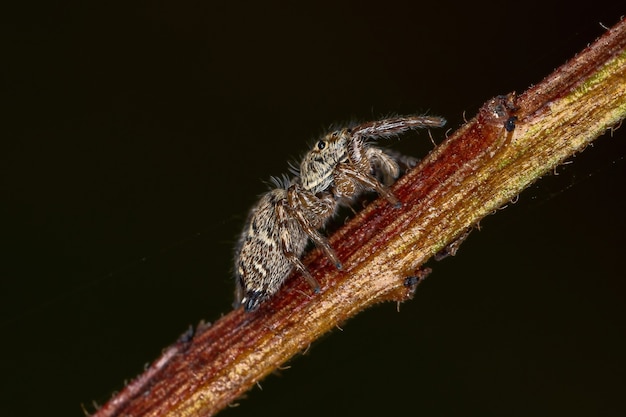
(137, 134)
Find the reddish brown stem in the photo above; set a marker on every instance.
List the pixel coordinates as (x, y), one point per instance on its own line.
(510, 143)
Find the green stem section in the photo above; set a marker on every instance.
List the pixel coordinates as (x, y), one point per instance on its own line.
(511, 143)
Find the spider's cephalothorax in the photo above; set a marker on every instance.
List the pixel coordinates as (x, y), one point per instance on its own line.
(318, 165)
(335, 171)
(345, 162)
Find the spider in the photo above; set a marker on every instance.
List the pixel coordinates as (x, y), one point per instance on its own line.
(338, 168)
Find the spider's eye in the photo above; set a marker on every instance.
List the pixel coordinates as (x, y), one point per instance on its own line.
(321, 145)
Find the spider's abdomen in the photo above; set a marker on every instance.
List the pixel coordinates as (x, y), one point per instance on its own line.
(261, 266)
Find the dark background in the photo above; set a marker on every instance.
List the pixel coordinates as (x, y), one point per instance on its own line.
(136, 135)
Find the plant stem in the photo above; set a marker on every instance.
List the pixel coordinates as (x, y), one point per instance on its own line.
(511, 143)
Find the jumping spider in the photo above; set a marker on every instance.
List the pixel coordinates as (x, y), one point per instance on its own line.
(338, 168)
